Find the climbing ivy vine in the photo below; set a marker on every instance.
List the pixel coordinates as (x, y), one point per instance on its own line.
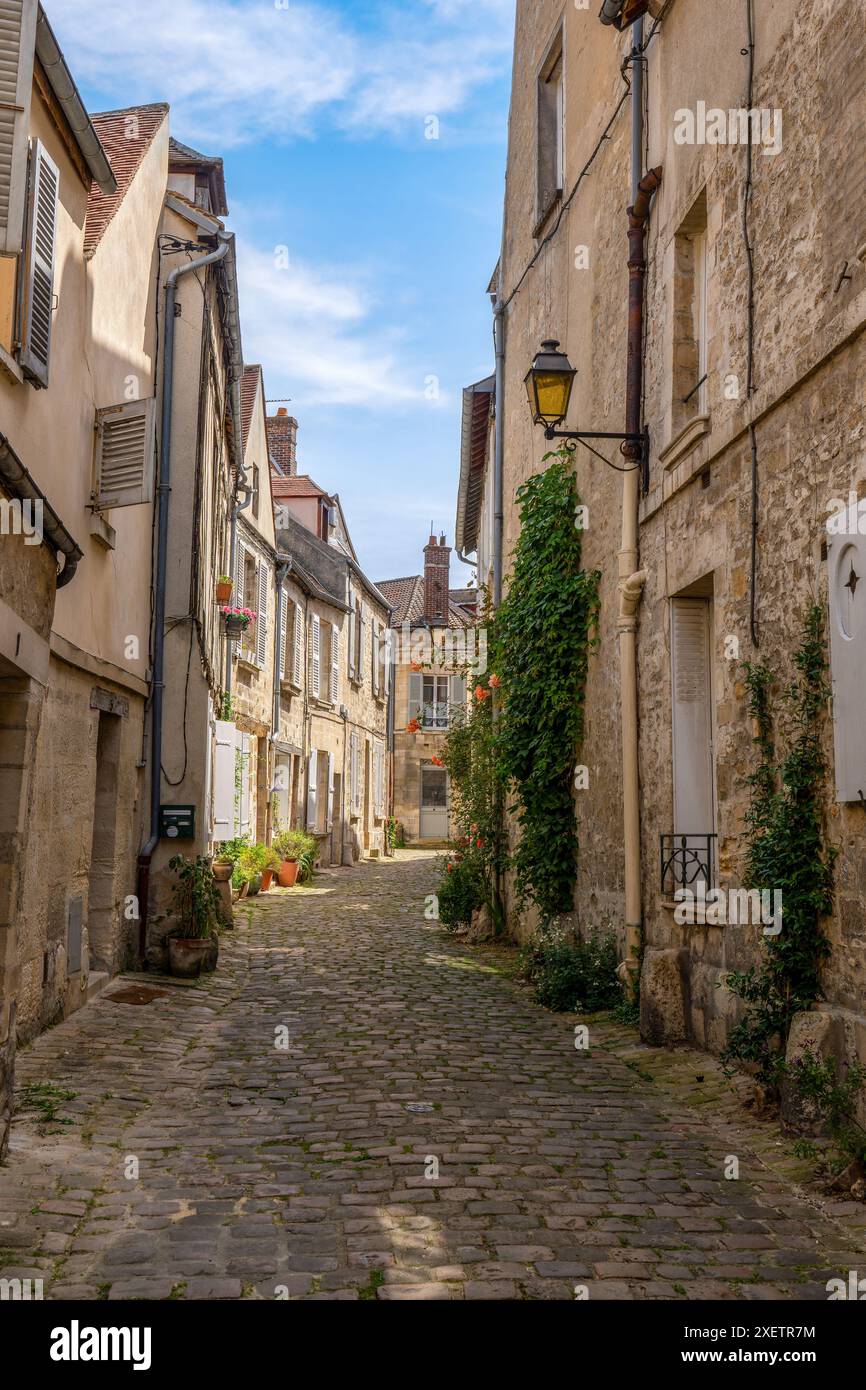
(786, 851)
(543, 633)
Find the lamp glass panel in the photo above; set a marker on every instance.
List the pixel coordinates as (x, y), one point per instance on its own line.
(552, 394)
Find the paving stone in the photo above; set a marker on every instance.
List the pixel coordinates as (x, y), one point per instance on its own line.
(265, 1174)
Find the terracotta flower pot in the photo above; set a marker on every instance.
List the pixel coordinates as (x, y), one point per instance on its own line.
(267, 876)
(288, 874)
(221, 872)
(224, 592)
(187, 954)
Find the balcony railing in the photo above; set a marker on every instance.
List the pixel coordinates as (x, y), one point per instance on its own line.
(434, 716)
(685, 859)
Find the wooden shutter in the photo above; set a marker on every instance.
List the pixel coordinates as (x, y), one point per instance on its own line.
(351, 636)
(330, 820)
(356, 781)
(242, 755)
(125, 454)
(375, 655)
(298, 635)
(456, 694)
(416, 695)
(38, 264)
(237, 598)
(694, 812)
(312, 789)
(264, 584)
(846, 555)
(17, 46)
(284, 631)
(335, 664)
(223, 780)
(316, 657)
(362, 642)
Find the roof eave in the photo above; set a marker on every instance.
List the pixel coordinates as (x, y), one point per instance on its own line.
(64, 88)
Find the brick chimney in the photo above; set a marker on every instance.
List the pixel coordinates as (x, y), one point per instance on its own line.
(437, 559)
(283, 441)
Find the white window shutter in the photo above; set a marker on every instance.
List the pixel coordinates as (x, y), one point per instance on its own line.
(17, 45)
(264, 578)
(316, 657)
(351, 636)
(242, 755)
(335, 664)
(38, 264)
(416, 695)
(237, 598)
(362, 643)
(284, 631)
(694, 813)
(312, 789)
(846, 554)
(330, 820)
(125, 454)
(388, 649)
(375, 656)
(359, 767)
(224, 780)
(297, 660)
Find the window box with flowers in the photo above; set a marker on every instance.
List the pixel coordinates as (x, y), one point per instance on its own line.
(236, 621)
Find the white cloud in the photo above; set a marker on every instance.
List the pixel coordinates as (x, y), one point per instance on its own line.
(248, 69)
(313, 333)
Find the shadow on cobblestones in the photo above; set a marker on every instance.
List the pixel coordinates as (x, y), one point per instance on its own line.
(275, 1131)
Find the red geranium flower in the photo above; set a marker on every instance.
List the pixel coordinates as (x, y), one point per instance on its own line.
(495, 682)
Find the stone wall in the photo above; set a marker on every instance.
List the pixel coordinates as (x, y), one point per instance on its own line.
(807, 219)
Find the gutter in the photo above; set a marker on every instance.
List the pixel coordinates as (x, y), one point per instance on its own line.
(163, 494)
(17, 480)
(498, 446)
(67, 94)
(632, 579)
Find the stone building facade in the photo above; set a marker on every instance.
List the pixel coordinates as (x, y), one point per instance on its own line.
(432, 635)
(753, 399)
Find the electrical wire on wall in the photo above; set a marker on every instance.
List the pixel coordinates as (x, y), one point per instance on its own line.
(749, 53)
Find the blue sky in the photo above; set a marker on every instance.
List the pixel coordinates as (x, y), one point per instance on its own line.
(321, 111)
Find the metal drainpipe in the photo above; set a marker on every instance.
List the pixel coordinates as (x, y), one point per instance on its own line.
(498, 447)
(280, 577)
(631, 579)
(163, 493)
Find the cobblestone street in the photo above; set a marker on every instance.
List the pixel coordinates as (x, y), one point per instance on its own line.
(302, 1171)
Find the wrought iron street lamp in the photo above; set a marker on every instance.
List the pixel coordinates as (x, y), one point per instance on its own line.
(548, 385)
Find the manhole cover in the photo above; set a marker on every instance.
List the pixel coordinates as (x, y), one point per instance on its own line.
(419, 1107)
(137, 994)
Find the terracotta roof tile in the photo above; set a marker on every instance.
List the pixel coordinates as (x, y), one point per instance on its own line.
(301, 485)
(125, 143)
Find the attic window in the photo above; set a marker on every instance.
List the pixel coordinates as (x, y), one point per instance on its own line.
(550, 150)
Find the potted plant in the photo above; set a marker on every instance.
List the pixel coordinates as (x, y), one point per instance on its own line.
(224, 588)
(240, 882)
(236, 620)
(296, 851)
(252, 862)
(196, 900)
(271, 867)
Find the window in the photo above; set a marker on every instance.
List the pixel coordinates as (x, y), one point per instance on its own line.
(690, 317)
(125, 436)
(434, 702)
(254, 484)
(693, 761)
(550, 139)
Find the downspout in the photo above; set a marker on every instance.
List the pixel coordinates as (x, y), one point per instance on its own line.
(498, 446)
(280, 573)
(390, 718)
(163, 493)
(632, 579)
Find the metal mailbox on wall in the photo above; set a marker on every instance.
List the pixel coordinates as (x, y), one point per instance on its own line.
(177, 822)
